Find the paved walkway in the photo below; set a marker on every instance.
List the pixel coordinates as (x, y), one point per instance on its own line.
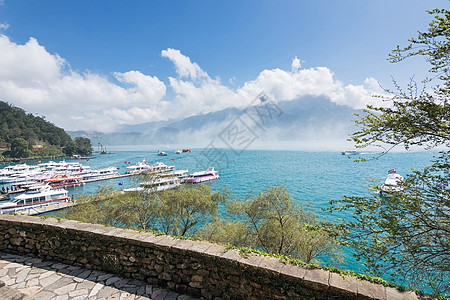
(34, 278)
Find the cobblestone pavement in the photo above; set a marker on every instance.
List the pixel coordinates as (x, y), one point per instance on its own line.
(35, 278)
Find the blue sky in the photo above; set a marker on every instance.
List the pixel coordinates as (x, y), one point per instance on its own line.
(128, 62)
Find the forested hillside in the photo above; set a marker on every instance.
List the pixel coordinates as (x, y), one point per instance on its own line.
(25, 135)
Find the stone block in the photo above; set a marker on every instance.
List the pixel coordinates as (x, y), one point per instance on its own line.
(215, 250)
(149, 239)
(232, 254)
(164, 242)
(165, 276)
(197, 278)
(197, 285)
(68, 224)
(253, 260)
(316, 279)
(181, 246)
(271, 263)
(371, 290)
(200, 246)
(343, 284)
(293, 271)
(394, 294)
(16, 241)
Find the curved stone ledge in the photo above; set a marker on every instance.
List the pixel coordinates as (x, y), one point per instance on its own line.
(195, 267)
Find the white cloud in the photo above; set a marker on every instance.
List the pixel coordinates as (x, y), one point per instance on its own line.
(28, 65)
(143, 87)
(42, 82)
(38, 81)
(183, 64)
(295, 66)
(4, 26)
(285, 86)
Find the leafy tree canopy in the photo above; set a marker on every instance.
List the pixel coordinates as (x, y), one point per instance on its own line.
(43, 136)
(407, 234)
(273, 222)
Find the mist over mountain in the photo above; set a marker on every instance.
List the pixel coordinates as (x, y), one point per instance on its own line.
(305, 119)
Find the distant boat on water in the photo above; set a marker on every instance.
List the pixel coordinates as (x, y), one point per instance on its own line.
(77, 156)
(393, 182)
(103, 151)
(350, 152)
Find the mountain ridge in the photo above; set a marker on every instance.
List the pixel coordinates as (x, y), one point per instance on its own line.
(302, 119)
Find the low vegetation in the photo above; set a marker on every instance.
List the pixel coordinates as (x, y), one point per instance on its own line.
(270, 221)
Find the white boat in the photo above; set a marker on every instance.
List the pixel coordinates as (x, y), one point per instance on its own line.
(17, 178)
(178, 151)
(350, 152)
(101, 173)
(63, 180)
(37, 196)
(19, 168)
(393, 182)
(157, 185)
(162, 153)
(202, 176)
(64, 167)
(141, 167)
(18, 173)
(137, 168)
(180, 173)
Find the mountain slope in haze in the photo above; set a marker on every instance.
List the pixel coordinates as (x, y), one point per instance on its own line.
(303, 119)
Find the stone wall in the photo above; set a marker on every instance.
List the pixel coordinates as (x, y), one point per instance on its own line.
(194, 267)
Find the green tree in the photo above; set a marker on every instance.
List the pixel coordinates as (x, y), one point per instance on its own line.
(70, 149)
(179, 212)
(83, 146)
(273, 222)
(183, 210)
(407, 234)
(19, 148)
(142, 210)
(104, 207)
(15, 123)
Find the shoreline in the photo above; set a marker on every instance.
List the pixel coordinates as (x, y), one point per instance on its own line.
(17, 160)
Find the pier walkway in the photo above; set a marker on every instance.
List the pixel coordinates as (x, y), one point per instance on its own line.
(24, 277)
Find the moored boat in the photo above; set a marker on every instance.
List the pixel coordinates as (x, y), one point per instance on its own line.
(141, 167)
(101, 173)
(64, 180)
(35, 197)
(393, 182)
(202, 176)
(157, 185)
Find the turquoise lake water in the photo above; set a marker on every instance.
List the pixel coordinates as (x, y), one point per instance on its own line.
(313, 178)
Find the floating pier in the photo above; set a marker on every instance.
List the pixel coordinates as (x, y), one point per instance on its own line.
(107, 177)
(32, 210)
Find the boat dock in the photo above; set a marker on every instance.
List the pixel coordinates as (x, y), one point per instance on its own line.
(47, 207)
(107, 177)
(32, 210)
